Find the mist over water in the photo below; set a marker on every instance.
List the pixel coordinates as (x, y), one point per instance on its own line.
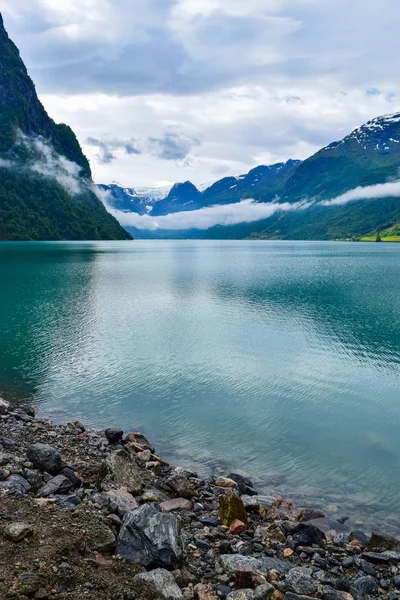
(280, 359)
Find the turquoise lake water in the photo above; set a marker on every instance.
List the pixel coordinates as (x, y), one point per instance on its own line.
(279, 359)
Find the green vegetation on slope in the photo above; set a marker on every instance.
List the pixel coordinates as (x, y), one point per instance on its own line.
(34, 206)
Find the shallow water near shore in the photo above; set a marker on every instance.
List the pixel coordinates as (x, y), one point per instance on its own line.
(279, 359)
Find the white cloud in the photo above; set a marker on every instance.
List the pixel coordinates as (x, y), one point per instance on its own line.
(246, 211)
(370, 192)
(256, 81)
(50, 164)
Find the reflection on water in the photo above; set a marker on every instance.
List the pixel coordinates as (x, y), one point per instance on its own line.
(280, 359)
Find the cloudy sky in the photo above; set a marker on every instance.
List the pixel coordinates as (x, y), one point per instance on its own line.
(160, 91)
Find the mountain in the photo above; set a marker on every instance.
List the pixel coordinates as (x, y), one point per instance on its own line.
(254, 184)
(183, 196)
(368, 156)
(137, 200)
(46, 190)
(186, 197)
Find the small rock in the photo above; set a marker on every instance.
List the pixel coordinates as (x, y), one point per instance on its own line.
(360, 536)
(121, 467)
(241, 595)
(307, 535)
(292, 596)
(4, 406)
(158, 583)
(176, 504)
(56, 485)
(34, 478)
(123, 500)
(299, 581)
(151, 496)
(365, 586)
(8, 442)
(231, 508)
(209, 521)
(72, 476)
(225, 482)
(113, 435)
(264, 592)
(140, 440)
(234, 562)
(145, 456)
(257, 502)
(181, 485)
(381, 542)
(46, 458)
(204, 591)
(101, 538)
(27, 584)
(237, 527)
(18, 531)
(245, 485)
(15, 484)
(287, 552)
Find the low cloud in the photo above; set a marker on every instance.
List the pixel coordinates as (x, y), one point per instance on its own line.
(370, 192)
(107, 148)
(43, 160)
(47, 162)
(246, 211)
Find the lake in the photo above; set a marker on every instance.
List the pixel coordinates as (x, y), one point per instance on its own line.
(277, 359)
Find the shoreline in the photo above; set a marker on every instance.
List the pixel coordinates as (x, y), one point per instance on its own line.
(99, 515)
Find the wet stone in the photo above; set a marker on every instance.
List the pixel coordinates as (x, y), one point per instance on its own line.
(114, 435)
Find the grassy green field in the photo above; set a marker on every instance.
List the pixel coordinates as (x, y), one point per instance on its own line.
(372, 238)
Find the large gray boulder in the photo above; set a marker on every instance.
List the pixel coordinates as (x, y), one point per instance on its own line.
(158, 584)
(151, 538)
(46, 458)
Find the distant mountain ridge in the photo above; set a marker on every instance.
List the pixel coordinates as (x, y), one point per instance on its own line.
(46, 189)
(366, 157)
(137, 200)
(186, 197)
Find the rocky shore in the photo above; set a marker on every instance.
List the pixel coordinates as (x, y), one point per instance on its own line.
(88, 514)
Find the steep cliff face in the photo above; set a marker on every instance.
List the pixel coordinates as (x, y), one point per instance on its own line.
(46, 191)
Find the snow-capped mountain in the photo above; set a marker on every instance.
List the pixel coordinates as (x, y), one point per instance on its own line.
(139, 200)
(368, 156)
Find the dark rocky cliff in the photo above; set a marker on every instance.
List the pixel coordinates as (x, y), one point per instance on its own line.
(33, 202)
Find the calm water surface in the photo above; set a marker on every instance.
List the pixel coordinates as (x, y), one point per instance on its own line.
(281, 359)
